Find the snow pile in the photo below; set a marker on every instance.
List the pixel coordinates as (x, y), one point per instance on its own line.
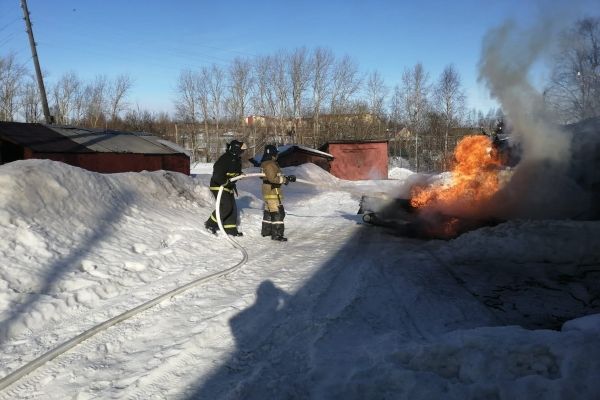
(342, 310)
(53, 215)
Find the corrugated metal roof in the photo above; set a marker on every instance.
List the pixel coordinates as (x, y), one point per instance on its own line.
(39, 138)
(64, 139)
(291, 148)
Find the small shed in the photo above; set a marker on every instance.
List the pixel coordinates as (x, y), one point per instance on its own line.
(358, 159)
(98, 150)
(293, 155)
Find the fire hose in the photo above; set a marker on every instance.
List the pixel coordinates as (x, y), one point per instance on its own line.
(69, 344)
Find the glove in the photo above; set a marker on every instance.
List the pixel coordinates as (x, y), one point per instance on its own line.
(290, 178)
(231, 186)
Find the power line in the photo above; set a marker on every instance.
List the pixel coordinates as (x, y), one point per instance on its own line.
(9, 24)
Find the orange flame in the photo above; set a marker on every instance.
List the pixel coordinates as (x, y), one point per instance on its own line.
(474, 177)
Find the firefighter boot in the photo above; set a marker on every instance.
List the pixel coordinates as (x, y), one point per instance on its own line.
(266, 224)
(277, 228)
(211, 226)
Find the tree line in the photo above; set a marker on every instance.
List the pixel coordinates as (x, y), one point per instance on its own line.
(306, 96)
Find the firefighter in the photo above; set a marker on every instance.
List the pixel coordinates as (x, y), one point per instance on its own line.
(274, 213)
(228, 166)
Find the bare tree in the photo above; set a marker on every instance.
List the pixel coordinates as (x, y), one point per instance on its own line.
(449, 100)
(415, 102)
(322, 62)
(11, 78)
(299, 71)
(265, 96)
(281, 88)
(376, 91)
(116, 93)
(241, 81)
(64, 96)
(216, 90)
(31, 103)
(574, 89)
(192, 106)
(396, 106)
(346, 83)
(95, 100)
(186, 102)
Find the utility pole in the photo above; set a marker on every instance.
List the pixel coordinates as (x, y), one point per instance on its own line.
(36, 63)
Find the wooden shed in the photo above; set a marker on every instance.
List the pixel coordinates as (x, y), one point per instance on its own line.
(358, 159)
(96, 150)
(293, 155)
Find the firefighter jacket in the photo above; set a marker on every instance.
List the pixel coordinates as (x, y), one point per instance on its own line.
(227, 166)
(274, 178)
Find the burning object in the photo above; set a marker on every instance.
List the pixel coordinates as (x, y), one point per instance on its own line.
(453, 206)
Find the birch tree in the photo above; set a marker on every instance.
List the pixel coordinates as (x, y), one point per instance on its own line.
(95, 100)
(11, 81)
(64, 95)
(241, 81)
(415, 92)
(574, 88)
(449, 101)
(323, 60)
(281, 88)
(31, 103)
(116, 94)
(376, 91)
(299, 71)
(346, 82)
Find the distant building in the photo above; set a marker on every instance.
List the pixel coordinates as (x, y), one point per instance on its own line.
(96, 150)
(358, 159)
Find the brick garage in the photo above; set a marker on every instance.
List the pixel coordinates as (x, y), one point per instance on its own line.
(358, 159)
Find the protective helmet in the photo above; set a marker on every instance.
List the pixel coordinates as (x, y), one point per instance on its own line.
(270, 152)
(236, 147)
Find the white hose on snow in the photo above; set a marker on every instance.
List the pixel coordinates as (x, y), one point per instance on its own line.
(69, 344)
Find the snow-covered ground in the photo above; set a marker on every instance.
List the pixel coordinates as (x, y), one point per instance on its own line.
(343, 310)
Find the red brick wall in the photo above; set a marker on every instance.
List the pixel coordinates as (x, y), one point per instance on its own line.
(114, 162)
(358, 161)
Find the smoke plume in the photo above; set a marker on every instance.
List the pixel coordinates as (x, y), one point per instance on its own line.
(540, 186)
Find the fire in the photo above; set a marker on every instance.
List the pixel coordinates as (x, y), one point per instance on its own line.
(474, 178)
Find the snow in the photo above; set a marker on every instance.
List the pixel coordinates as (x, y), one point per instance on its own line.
(342, 310)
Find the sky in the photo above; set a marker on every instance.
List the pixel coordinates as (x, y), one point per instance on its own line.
(341, 310)
(153, 41)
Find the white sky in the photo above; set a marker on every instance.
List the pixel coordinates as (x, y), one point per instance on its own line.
(342, 310)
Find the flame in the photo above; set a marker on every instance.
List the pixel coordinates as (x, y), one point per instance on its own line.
(474, 178)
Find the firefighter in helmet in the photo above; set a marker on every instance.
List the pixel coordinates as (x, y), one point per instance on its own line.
(274, 213)
(228, 166)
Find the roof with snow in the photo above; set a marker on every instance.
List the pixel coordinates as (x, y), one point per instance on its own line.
(44, 138)
(347, 141)
(291, 148)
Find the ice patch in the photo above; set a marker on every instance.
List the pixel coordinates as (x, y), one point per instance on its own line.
(134, 266)
(139, 248)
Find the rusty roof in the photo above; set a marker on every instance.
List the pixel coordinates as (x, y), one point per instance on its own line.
(43, 138)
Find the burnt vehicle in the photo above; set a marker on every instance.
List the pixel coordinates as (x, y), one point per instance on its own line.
(453, 205)
(398, 217)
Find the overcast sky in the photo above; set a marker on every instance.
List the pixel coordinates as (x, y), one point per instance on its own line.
(154, 40)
